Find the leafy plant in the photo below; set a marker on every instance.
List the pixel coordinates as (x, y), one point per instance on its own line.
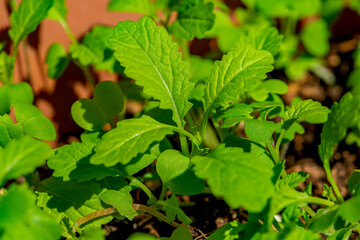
(186, 132)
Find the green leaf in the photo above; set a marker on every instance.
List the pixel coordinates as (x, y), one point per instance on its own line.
(308, 111)
(354, 181)
(164, 74)
(267, 39)
(324, 220)
(8, 130)
(290, 233)
(341, 234)
(128, 139)
(200, 68)
(92, 234)
(229, 231)
(15, 93)
(21, 219)
(172, 167)
(33, 122)
(141, 236)
(261, 93)
(194, 21)
(57, 60)
(236, 110)
(349, 210)
(294, 178)
(343, 115)
(28, 16)
(237, 176)
(21, 156)
(284, 8)
(173, 211)
(6, 68)
(145, 7)
(258, 149)
(235, 74)
(258, 130)
(58, 12)
(180, 233)
(121, 200)
(93, 114)
(315, 37)
(69, 201)
(85, 55)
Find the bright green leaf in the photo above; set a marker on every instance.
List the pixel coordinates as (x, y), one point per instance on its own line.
(237, 176)
(141, 236)
(180, 233)
(57, 60)
(8, 130)
(28, 16)
(92, 234)
(93, 114)
(21, 156)
(33, 122)
(315, 37)
(258, 130)
(6, 68)
(128, 139)
(236, 73)
(58, 12)
(172, 167)
(229, 231)
(121, 200)
(137, 6)
(194, 22)
(164, 75)
(85, 55)
(21, 219)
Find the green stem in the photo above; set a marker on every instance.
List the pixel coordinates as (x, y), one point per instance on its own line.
(273, 153)
(204, 124)
(143, 208)
(278, 141)
(332, 181)
(86, 72)
(143, 187)
(184, 145)
(163, 192)
(67, 29)
(309, 210)
(319, 201)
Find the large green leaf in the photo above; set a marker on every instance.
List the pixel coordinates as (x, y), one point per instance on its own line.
(121, 200)
(128, 139)
(315, 37)
(235, 74)
(33, 122)
(20, 218)
(267, 39)
(137, 6)
(69, 201)
(308, 110)
(28, 16)
(194, 22)
(22, 156)
(343, 115)
(173, 169)
(237, 176)
(164, 75)
(57, 60)
(93, 114)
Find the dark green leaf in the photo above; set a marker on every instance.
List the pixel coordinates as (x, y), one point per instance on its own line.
(173, 211)
(93, 114)
(353, 182)
(237, 176)
(229, 231)
(84, 54)
(180, 233)
(57, 60)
